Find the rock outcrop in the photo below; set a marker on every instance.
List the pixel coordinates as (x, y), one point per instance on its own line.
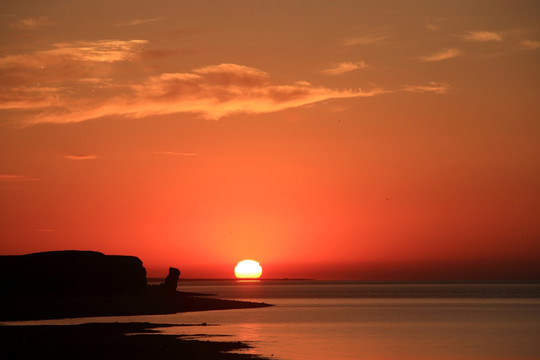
(60, 273)
(171, 281)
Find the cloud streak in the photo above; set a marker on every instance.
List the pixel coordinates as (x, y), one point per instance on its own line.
(86, 51)
(440, 55)
(32, 23)
(68, 61)
(528, 45)
(173, 153)
(365, 40)
(80, 157)
(136, 22)
(483, 36)
(15, 178)
(433, 87)
(71, 54)
(344, 67)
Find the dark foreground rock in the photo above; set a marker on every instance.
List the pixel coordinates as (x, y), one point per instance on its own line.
(68, 273)
(109, 341)
(171, 281)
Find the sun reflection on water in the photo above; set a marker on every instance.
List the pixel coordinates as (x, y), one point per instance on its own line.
(250, 332)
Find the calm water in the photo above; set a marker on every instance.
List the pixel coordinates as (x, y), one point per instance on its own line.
(356, 320)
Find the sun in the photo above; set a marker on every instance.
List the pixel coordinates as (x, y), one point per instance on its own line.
(248, 269)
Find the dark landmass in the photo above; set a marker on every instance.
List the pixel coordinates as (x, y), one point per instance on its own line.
(67, 284)
(59, 273)
(109, 341)
(150, 303)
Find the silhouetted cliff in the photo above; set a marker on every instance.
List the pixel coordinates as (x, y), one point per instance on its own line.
(71, 273)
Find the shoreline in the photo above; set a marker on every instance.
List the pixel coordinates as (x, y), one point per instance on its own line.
(112, 341)
(152, 302)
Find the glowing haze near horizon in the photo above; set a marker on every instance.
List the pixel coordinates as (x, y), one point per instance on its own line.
(324, 139)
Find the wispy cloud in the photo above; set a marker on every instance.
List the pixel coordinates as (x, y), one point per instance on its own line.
(80, 157)
(136, 22)
(43, 70)
(32, 23)
(528, 44)
(173, 153)
(482, 36)
(212, 91)
(78, 51)
(441, 55)
(73, 82)
(365, 40)
(20, 97)
(98, 51)
(14, 178)
(344, 67)
(434, 87)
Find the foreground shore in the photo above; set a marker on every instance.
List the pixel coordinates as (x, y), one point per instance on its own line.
(153, 302)
(110, 341)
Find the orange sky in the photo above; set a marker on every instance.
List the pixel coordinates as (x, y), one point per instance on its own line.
(324, 139)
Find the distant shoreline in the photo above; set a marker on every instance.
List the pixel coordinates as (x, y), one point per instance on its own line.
(457, 282)
(157, 279)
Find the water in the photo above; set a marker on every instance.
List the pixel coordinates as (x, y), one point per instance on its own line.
(374, 321)
(355, 320)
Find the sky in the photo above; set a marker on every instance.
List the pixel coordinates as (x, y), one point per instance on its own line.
(368, 140)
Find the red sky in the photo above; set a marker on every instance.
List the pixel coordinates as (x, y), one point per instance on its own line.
(342, 139)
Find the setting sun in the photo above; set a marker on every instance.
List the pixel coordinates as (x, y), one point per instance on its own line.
(248, 269)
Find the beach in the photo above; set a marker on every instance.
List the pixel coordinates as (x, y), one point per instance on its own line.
(110, 341)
